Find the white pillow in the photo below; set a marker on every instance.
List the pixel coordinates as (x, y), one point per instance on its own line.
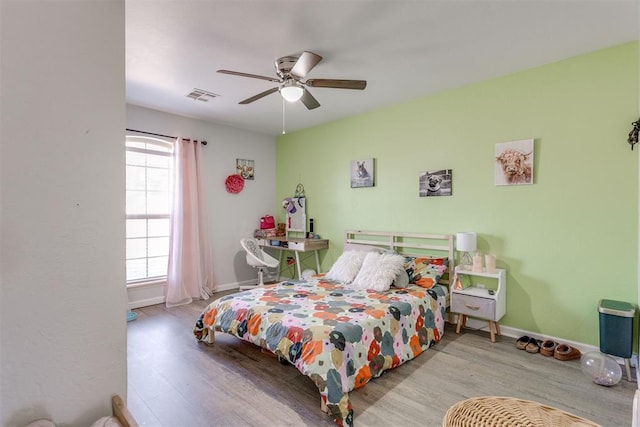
(346, 266)
(401, 280)
(378, 271)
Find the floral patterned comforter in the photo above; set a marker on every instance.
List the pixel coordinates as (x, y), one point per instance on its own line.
(339, 337)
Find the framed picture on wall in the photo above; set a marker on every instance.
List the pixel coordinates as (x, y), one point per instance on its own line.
(244, 168)
(362, 173)
(435, 183)
(514, 162)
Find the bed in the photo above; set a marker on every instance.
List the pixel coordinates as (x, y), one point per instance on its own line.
(342, 333)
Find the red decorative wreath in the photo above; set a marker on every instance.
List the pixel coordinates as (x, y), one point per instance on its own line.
(234, 183)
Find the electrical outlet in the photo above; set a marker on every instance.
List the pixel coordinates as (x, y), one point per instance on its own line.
(480, 285)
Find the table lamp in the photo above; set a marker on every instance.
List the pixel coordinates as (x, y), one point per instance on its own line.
(465, 243)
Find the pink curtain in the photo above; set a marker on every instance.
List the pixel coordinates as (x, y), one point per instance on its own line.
(190, 271)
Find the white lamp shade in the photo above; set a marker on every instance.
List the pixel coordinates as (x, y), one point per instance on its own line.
(291, 93)
(466, 242)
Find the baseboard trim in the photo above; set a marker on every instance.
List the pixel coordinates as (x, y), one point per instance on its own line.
(517, 333)
(146, 302)
(234, 285)
(509, 331)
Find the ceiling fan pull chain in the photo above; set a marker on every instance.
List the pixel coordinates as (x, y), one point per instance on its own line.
(283, 110)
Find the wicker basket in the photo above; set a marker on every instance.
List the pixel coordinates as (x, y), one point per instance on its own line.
(491, 411)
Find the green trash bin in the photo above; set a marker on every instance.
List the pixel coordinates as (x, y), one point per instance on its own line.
(616, 330)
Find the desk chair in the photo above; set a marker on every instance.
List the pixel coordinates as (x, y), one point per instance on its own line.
(257, 258)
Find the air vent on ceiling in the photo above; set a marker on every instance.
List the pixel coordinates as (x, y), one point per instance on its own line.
(201, 95)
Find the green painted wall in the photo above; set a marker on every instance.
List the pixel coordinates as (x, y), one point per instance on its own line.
(567, 241)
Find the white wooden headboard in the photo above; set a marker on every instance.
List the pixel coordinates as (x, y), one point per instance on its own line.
(409, 244)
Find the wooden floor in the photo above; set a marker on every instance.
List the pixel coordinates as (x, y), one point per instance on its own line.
(176, 382)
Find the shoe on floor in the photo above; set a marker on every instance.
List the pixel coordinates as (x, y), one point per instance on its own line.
(565, 352)
(533, 346)
(548, 347)
(522, 342)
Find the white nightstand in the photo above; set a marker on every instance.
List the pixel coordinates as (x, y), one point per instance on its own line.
(475, 301)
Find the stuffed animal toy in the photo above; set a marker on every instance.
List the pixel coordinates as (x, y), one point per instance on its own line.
(289, 205)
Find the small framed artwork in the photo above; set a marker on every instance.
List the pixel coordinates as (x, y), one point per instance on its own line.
(514, 162)
(244, 168)
(362, 173)
(435, 183)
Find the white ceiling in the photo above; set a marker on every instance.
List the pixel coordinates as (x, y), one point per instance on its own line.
(403, 48)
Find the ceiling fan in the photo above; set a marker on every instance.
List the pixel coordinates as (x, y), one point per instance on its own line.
(291, 70)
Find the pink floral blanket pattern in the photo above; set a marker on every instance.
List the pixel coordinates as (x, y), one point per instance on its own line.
(339, 337)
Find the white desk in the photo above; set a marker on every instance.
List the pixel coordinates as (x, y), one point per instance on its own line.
(296, 245)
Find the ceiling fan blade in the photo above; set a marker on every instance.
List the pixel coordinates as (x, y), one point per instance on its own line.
(253, 76)
(260, 95)
(308, 100)
(305, 63)
(337, 84)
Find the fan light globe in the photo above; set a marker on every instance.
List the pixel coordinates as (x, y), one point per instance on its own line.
(601, 368)
(291, 92)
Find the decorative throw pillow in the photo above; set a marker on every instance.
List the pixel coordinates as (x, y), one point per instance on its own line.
(401, 280)
(346, 266)
(378, 271)
(425, 271)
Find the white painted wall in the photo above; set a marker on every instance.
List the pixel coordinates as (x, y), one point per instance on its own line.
(231, 216)
(63, 301)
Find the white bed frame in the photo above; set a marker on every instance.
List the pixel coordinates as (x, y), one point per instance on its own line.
(409, 244)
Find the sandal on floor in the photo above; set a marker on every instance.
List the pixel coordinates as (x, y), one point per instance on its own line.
(565, 352)
(548, 348)
(533, 346)
(522, 342)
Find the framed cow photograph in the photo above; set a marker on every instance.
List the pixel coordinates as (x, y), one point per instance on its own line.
(435, 183)
(514, 162)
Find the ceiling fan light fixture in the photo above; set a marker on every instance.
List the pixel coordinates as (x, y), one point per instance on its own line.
(291, 92)
(291, 70)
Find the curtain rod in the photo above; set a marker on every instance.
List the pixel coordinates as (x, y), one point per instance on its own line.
(164, 136)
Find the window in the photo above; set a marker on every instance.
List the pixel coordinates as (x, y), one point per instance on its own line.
(149, 169)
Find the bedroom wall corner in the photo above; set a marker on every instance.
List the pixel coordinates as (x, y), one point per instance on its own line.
(63, 302)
